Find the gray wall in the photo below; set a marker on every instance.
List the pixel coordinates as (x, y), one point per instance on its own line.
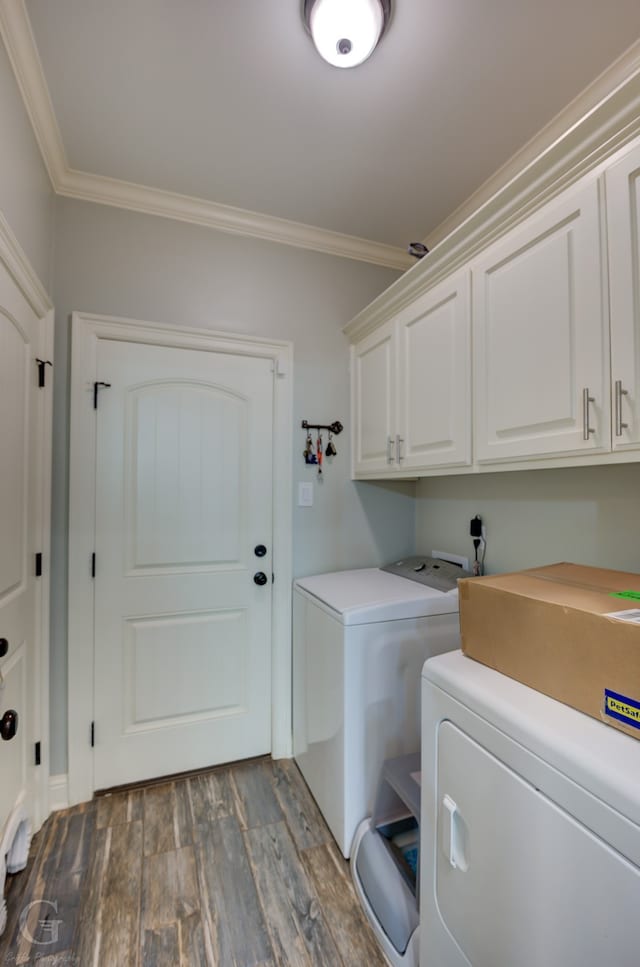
(588, 515)
(120, 263)
(26, 198)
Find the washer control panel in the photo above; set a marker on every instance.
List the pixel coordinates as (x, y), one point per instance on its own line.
(430, 571)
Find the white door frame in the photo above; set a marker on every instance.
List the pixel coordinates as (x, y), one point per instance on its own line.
(24, 276)
(87, 331)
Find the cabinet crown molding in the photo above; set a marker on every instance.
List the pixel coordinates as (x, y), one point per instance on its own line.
(583, 146)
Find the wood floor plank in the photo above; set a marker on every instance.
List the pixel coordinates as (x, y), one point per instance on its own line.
(87, 942)
(193, 947)
(159, 819)
(298, 805)
(238, 931)
(112, 809)
(210, 797)
(119, 912)
(299, 934)
(256, 802)
(169, 888)
(183, 825)
(351, 932)
(161, 947)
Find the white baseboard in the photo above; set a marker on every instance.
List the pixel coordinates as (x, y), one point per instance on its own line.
(58, 792)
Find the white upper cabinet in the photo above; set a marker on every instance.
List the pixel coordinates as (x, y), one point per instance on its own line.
(410, 380)
(623, 216)
(434, 361)
(541, 356)
(373, 379)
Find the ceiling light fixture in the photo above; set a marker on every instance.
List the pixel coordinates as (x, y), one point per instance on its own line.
(346, 32)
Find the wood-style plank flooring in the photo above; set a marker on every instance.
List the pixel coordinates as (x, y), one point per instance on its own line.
(233, 868)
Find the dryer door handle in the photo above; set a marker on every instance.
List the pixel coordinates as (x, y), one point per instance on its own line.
(453, 834)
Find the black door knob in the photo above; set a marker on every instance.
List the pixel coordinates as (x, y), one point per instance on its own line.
(9, 725)
(4, 647)
(259, 550)
(260, 578)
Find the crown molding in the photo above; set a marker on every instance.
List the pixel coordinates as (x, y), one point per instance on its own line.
(16, 32)
(616, 75)
(586, 146)
(224, 218)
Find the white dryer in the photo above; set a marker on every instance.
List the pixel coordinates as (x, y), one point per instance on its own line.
(360, 639)
(530, 832)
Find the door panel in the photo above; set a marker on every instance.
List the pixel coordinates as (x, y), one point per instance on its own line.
(623, 220)
(540, 336)
(183, 494)
(435, 349)
(208, 428)
(21, 335)
(374, 361)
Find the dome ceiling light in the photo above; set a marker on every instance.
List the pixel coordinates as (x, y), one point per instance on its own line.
(346, 32)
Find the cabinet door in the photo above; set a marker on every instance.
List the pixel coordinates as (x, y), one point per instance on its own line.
(541, 356)
(373, 387)
(434, 367)
(623, 215)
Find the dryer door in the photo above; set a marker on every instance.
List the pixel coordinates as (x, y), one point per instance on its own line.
(518, 880)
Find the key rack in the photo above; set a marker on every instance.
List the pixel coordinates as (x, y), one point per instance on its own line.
(315, 458)
(334, 428)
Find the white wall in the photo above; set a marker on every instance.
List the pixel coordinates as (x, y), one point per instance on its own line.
(26, 198)
(120, 263)
(587, 515)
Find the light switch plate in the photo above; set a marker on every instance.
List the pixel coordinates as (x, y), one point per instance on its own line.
(305, 494)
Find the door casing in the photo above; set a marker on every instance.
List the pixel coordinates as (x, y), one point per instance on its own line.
(87, 331)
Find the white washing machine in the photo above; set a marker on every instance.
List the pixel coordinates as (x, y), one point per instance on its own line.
(360, 639)
(530, 831)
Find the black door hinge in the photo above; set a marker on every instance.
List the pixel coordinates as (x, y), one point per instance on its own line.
(96, 387)
(93, 734)
(39, 564)
(93, 564)
(37, 754)
(41, 363)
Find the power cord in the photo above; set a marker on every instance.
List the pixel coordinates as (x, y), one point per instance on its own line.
(475, 530)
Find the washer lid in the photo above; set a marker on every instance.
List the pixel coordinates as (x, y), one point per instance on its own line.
(369, 594)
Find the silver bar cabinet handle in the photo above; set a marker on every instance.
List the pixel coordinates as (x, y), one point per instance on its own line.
(389, 448)
(399, 442)
(619, 393)
(586, 399)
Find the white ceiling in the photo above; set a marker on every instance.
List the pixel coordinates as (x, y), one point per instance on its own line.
(227, 100)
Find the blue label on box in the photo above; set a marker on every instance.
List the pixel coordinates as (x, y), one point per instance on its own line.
(623, 709)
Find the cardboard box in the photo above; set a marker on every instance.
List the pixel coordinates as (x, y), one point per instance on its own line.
(569, 631)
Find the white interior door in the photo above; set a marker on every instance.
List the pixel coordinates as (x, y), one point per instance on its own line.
(20, 415)
(183, 499)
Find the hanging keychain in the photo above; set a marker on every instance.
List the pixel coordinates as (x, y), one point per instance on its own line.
(330, 450)
(309, 455)
(319, 453)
